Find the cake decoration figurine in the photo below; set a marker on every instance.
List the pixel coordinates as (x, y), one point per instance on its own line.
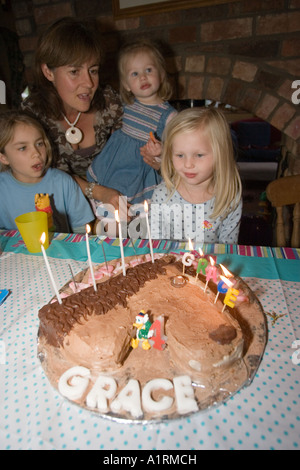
(143, 333)
(42, 203)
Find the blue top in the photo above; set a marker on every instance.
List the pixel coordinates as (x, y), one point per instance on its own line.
(70, 208)
(120, 165)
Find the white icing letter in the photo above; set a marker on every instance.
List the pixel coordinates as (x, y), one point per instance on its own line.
(104, 388)
(151, 405)
(184, 394)
(129, 399)
(73, 383)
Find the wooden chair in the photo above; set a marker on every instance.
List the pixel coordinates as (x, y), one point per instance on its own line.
(283, 192)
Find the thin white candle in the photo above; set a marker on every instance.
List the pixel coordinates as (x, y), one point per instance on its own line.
(88, 229)
(42, 240)
(121, 241)
(148, 229)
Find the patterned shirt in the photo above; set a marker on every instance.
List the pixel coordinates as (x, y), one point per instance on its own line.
(176, 219)
(77, 161)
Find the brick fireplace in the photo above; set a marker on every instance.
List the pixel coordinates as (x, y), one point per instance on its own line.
(242, 53)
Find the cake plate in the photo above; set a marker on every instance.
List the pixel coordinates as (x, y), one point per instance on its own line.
(209, 393)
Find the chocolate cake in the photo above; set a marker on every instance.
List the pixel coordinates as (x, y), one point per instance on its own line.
(142, 348)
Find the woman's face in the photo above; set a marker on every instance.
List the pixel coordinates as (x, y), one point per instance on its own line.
(76, 85)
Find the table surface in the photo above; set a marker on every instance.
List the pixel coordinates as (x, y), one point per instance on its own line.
(33, 415)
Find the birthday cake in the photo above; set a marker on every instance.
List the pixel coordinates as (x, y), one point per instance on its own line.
(156, 343)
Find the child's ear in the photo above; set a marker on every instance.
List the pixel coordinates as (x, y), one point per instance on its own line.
(125, 86)
(47, 72)
(3, 159)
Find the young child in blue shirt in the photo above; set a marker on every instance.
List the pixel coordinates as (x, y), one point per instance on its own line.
(25, 158)
(129, 162)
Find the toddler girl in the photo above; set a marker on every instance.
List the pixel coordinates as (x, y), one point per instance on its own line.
(200, 197)
(129, 162)
(25, 158)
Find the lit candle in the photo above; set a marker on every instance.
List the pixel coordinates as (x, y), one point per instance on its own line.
(222, 287)
(202, 264)
(188, 258)
(88, 229)
(42, 240)
(228, 274)
(148, 229)
(211, 273)
(230, 297)
(121, 241)
(241, 297)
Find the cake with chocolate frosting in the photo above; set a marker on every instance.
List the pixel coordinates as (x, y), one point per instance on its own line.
(140, 346)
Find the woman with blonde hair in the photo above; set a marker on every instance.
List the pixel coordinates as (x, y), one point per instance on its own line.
(201, 180)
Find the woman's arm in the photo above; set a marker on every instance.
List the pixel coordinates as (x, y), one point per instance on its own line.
(101, 193)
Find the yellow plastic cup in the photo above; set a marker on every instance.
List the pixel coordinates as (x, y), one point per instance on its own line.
(31, 227)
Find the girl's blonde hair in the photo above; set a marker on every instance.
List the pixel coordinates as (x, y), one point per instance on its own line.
(8, 122)
(226, 183)
(149, 47)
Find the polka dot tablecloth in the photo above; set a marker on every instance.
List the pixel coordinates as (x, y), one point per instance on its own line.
(264, 415)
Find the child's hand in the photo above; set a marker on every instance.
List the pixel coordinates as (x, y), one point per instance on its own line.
(151, 152)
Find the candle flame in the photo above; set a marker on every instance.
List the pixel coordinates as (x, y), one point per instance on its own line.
(201, 252)
(191, 246)
(226, 281)
(226, 272)
(87, 228)
(212, 261)
(117, 216)
(43, 238)
(146, 206)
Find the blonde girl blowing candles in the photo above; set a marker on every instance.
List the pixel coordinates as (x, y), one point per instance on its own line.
(200, 178)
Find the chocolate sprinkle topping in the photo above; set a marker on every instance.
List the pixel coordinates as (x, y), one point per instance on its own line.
(57, 320)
